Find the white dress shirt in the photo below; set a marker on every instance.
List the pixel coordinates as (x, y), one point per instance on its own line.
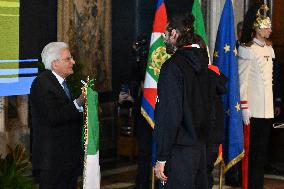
(60, 80)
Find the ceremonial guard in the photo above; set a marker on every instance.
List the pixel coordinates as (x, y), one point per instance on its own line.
(255, 74)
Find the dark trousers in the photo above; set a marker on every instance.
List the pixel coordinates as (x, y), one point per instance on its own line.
(211, 157)
(58, 178)
(259, 136)
(53, 179)
(144, 140)
(186, 168)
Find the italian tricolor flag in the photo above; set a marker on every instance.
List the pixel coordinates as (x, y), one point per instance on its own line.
(199, 28)
(157, 56)
(91, 175)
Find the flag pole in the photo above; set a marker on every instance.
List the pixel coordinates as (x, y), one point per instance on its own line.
(221, 176)
(153, 179)
(245, 161)
(85, 133)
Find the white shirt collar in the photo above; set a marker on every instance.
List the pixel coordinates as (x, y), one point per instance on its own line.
(58, 77)
(258, 42)
(195, 45)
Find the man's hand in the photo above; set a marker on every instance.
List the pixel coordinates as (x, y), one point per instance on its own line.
(159, 171)
(81, 100)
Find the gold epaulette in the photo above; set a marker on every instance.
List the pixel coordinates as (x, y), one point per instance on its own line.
(248, 44)
(268, 42)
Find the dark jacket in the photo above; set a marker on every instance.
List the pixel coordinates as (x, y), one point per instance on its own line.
(182, 110)
(56, 125)
(217, 89)
(276, 81)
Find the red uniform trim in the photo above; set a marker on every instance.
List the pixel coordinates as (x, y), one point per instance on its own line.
(214, 68)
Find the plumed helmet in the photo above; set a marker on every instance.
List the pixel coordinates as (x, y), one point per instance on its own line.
(262, 20)
(256, 17)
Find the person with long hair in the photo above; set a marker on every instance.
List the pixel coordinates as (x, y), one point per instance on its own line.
(181, 114)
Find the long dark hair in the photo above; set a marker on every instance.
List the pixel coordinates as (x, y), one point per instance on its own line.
(183, 23)
(248, 32)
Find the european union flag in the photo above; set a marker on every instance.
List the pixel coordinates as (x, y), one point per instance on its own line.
(225, 57)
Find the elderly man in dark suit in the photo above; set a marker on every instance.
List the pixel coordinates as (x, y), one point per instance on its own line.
(56, 121)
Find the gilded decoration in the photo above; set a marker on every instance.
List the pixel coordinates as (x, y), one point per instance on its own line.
(158, 56)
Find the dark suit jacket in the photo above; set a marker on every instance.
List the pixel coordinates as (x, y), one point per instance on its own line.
(56, 125)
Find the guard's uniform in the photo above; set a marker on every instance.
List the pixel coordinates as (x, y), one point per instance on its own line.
(255, 75)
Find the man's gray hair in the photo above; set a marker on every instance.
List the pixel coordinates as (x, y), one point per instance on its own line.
(51, 52)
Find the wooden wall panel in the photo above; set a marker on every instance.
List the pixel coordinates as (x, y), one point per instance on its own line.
(278, 30)
(277, 138)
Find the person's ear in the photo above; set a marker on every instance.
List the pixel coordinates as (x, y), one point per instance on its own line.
(54, 64)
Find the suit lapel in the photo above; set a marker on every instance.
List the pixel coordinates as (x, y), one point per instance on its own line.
(57, 85)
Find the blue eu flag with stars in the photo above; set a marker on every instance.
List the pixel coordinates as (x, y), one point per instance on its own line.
(225, 57)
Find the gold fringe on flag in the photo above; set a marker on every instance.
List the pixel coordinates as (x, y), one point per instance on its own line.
(234, 161)
(85, 132)
(149, 120)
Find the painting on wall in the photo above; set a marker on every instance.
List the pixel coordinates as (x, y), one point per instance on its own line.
(86, 27)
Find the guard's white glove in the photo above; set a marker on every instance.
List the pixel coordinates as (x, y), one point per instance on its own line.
(246, 116)
(245, 112)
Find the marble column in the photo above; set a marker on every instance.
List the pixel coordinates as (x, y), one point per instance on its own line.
(239, 11)
(22, 110)
(3, 133)
(214, 11)
(271, 9)
(2, 114)
(19, 132)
